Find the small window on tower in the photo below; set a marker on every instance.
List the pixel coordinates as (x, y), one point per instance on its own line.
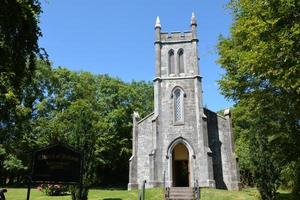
(178, 106)
(180, 61)
(171, 62)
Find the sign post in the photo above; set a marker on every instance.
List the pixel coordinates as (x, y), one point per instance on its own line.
(56, 163)
(28, 187)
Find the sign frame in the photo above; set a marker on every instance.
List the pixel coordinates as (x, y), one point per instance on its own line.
(50, 157)
(34, 178)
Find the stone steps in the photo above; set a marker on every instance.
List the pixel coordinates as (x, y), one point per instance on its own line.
(181, 193)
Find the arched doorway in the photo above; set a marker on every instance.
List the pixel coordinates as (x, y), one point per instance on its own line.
(180, 166)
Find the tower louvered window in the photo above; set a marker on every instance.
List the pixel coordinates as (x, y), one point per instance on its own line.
(178, 106)
(180, 61)
(171, 62)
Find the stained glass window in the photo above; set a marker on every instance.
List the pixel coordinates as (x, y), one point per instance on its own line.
(178, 105)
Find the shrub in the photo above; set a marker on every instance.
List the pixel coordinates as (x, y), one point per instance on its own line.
(53, 189)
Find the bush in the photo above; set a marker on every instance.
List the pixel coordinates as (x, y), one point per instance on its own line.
(53, 189)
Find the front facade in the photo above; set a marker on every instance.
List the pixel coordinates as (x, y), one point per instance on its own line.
(181, 141)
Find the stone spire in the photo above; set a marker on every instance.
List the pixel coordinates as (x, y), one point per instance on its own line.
(157, 23)
(194, 26)
(157, 47)
(193, 19)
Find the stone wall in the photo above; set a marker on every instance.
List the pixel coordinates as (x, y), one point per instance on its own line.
(221, 143)
(215, 145)
(145, 147)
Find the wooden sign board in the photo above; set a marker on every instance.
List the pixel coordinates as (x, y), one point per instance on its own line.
(57, 163)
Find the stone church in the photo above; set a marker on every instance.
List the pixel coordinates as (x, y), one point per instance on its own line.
(181, 141)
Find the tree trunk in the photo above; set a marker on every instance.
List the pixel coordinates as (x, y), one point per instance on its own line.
(296, 189)
(75, 193)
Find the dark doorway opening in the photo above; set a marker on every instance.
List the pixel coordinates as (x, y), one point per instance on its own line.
(181, 169)
(181, 173)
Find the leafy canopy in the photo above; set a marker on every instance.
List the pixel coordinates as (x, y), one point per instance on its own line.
(262, 63)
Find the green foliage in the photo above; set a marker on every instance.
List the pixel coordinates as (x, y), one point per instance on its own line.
(255, 151)
(296, 184)
(2, 150)
(262, 63)
(79, 129)
(93, 114)
(40, 105)
(19, 33)
(90, 112)
(53, 189)
(19, 50)
(241, 124)
(264, 167)
(13, 164)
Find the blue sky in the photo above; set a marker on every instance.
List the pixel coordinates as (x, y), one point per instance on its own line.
(116, 37)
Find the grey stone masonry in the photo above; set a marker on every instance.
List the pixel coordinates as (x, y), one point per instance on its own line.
(179, 118)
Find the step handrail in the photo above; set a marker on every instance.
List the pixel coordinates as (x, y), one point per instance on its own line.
(142, 192)
(197, 190)
(166, 190)
(167, 193)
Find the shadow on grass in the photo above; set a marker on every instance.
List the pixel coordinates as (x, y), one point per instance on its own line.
(286, 196)
(64, 194)
(112, 199)
(109, 188)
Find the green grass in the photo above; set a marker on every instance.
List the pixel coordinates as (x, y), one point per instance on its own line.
(215, 194)
(151, 194)
(94, 194)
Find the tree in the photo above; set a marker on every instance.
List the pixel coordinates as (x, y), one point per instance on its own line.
(36, 100)
(258, 158)
(82, 109)
(241, 120)
(79, 122)
(19, 33)
(69, 114)
(119, 100)
(261, 58)
(19, 50)
(18, 145)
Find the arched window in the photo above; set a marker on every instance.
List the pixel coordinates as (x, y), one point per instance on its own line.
(178, 105)
(180, 61)
(171, 62)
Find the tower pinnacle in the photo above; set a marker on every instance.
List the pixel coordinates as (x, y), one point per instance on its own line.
(157, 23)
(194, 26)
(193, 19)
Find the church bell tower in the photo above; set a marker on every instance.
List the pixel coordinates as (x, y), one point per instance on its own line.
(181, 141)
(179, 107)
(176, 57)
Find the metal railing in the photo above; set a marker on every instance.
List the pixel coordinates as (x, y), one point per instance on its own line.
(142, 191)
(166, 190)
(164, 181)
(2, 196)
(197, 190)
(167, 193)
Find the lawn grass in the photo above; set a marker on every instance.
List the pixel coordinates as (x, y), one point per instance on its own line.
(215, 194)
(151, 194)
(94, 194)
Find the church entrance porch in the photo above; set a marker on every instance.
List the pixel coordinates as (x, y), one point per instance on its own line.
(180, 166)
